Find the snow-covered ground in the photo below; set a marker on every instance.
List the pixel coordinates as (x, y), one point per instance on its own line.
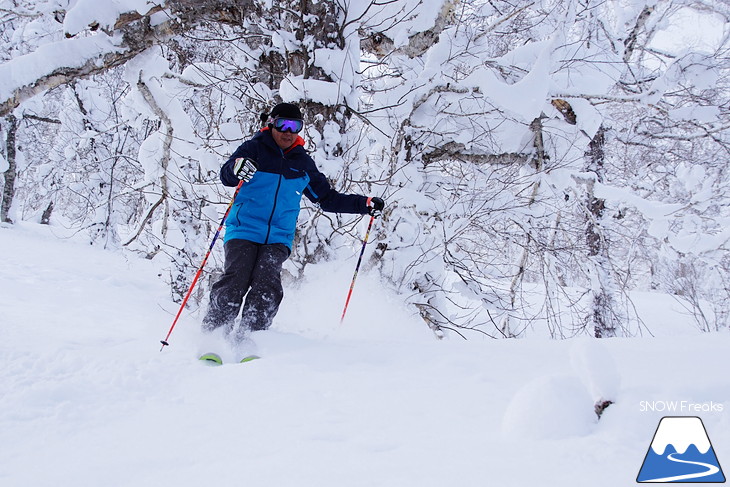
(87, 399)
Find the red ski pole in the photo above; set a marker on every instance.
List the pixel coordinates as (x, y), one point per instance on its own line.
(357, 267)
(200, 269)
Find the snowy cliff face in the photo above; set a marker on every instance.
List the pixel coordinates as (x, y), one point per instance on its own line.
(680, 432)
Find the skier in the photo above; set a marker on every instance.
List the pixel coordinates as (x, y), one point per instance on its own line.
(276, 171)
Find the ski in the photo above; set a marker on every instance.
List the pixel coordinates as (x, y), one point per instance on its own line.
(214, 359)
(211, 359)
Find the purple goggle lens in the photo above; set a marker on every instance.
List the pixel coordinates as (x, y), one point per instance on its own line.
(288, 125)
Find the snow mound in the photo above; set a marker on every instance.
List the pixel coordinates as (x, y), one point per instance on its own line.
(550, 407)
(595, 365)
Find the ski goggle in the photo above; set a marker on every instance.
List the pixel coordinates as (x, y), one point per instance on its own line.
(293, 125)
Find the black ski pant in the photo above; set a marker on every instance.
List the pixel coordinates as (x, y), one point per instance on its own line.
(252, 270)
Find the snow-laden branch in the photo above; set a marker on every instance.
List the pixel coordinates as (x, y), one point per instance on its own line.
(55, 64)
(61, 62)
(130, 34)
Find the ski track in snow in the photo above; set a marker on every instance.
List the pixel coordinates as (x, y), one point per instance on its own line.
(87, 399)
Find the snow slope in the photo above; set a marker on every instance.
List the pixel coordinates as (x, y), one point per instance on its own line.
(87, 399)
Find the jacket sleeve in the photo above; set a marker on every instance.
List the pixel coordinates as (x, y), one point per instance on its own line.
(247, 149)
(320, 192)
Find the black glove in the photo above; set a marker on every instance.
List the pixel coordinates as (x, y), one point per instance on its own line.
(244, 168)
(375, 206)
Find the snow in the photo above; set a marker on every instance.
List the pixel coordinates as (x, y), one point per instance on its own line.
(375, 401)
(70, 53)
(413, 16)
(587, 116)
(707, 114)
(550, 407)
(691, 28)
(293, 89)
(595, 365)
(527, 96)
(82, 13)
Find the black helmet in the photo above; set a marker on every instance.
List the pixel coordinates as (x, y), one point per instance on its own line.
(286, 110)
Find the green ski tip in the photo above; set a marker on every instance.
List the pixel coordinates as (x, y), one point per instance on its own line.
(211, 359)
(249, 358)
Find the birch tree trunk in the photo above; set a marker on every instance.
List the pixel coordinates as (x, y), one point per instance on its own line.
(11, 172)
(538, 164)
(603, 315)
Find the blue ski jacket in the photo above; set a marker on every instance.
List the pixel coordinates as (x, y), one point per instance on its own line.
(266, 208)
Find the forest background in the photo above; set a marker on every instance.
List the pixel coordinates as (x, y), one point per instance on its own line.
(541, 161)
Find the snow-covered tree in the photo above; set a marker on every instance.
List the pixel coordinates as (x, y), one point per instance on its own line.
(540, 160)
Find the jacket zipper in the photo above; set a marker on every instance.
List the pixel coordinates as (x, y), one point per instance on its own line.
(276, 198)
(238, 211)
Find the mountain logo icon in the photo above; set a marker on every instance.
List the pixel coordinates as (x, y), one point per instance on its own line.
(681, 452)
